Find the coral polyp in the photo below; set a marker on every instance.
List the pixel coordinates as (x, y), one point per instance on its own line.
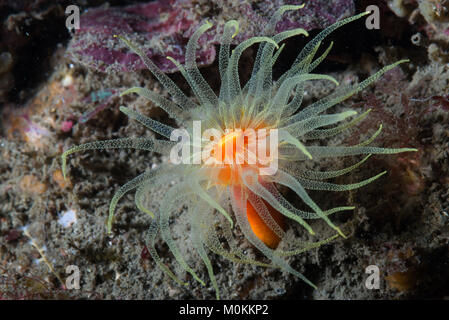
(273, 109)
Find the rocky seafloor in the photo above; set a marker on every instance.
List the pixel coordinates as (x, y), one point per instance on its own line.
(60, 88)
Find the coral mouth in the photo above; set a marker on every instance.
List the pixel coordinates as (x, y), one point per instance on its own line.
(240, 150)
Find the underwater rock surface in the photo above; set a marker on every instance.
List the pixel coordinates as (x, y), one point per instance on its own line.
(162, 28)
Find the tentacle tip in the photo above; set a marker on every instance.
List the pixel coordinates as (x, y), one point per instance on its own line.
(121, 38)
(109, 227)
(63, 167)
(341, 233)
(236, 30)
(209, 24)
(295, 7)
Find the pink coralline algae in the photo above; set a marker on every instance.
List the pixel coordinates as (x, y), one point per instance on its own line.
(162, 28)
(66, 126)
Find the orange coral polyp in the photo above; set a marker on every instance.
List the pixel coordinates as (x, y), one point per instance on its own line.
(232, 157)
(229, 172)
(229, 175)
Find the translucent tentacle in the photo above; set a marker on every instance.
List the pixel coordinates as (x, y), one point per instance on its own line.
(321, 175)
(250, 179)
(287, 180)
(258, 88)
(316, 63)
(294, 105)
(303, 214)
(309, 47)
(168, 106)
(301, 128)
(130, 185)
(326, 133)
(198, 244)
(179, 96)
(259, 85)
(214, 204)
(277, 54)
(227, 233)
(320, 185)
(210, 239)
(309, 246)
(232, 75)
(152, 233)
(271, 26)
(207, 95)
(223, 62)
(265, 215)
(371, 139)
(281, 97)
(318, 152)
(269, 30)
(176, 192)
(139, 199)
(287, 137)
(163, 176)
(238, 202)
(196, 90)
(339, 96)
(132, 143)
(223, 55)
(151, 124)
